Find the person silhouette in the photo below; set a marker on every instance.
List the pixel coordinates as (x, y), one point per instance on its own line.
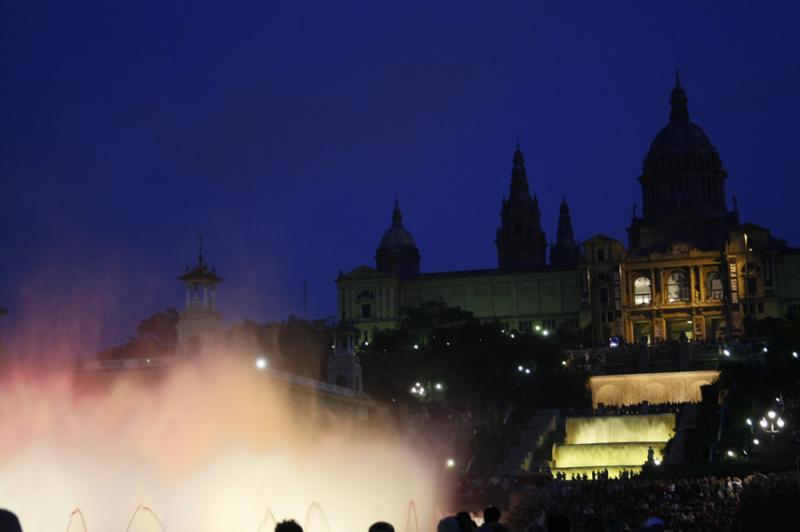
(9, 522)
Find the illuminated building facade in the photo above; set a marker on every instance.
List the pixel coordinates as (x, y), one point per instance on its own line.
(691, 270)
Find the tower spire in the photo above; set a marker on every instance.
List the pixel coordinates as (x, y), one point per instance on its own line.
(520, 240)
(565, 251)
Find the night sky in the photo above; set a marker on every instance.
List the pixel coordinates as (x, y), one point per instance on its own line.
(281, 131)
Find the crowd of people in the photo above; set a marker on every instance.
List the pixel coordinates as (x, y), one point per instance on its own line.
(639, 408)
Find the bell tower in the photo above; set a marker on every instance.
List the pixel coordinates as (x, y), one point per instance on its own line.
(520, 240)
(199, 328)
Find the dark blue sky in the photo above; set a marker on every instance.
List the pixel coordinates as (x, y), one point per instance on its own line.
(282, 130)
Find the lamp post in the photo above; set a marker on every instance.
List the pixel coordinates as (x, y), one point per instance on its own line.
(772, 424)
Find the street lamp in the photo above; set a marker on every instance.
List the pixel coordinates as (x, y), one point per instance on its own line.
(772, 424)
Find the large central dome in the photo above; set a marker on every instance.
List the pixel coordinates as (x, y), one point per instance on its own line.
(681, 145)
(683, 187)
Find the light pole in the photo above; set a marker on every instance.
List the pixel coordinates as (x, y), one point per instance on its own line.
(772, 424)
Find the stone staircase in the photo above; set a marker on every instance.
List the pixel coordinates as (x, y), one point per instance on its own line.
(520, 457)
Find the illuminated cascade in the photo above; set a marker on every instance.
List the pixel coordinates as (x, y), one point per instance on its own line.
(615, 443)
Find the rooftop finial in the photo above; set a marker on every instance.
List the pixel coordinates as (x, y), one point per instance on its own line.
(397, 217)
(200, 250)
(678, 101)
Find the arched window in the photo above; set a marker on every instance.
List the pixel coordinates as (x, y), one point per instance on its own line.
(642, 295)
(714, 289)
(677, 287)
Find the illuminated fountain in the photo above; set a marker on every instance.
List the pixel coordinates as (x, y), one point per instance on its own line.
(198, 446)
(613, 443)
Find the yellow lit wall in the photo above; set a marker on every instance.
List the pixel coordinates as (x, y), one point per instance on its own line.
(671, 387)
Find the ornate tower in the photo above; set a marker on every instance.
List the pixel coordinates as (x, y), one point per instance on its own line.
(565, 252)
(520, 239)
(199, 327)
(397, 254)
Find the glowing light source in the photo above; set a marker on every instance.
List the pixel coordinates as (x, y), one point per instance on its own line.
(726, 352)
(527, 371)
(657, 462)
(416, 346)
(538, 328)
(450, 463)
(780, 422)
(731, 454)
(512, 336)
(545, 332)
(749, 422)
(438, 386)
(763, 423)
(261, 363)
(520, 368)
(794, 354)
(756, 442)
(563, 362)
(765, 349)
(771, 414)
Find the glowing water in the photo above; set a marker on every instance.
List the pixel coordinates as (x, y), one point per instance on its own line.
(609, 429)
(614, 443)
(204, 447)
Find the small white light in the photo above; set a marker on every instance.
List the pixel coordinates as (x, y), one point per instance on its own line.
(777, 399)
(780, 422)
(450, 463)
(563, 362)
(726, 352)
(417, 384)
(765, 349)
(749, 422)
(147, 360)
(794, 354)
(447, 344)
(657, 462)
(413, 390)
(689, 322)
(756, 442)
(763, 423)
(261, 363)
(520, 368)
(416, 346)
(771, 414)
(527, 371)
(366, 343)
(731, 454)
(333, 346)
(512, 336)
(438, 386)
(538, 327)
(502, 331)
(545, 332)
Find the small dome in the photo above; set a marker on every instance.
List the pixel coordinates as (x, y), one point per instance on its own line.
(397, 238)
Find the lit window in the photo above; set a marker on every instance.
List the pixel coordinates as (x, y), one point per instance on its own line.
(642, 295)
(714, 286)
(677, 287)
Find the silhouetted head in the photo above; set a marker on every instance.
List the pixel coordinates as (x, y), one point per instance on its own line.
(593, 524)
(9, 522)
(381, 526)
(557, 523)
(448, 524)
(491, 514)
(465, 521)
(288, 526)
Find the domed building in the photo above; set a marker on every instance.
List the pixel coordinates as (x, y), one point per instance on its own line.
(691, 270)
(397, 253)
